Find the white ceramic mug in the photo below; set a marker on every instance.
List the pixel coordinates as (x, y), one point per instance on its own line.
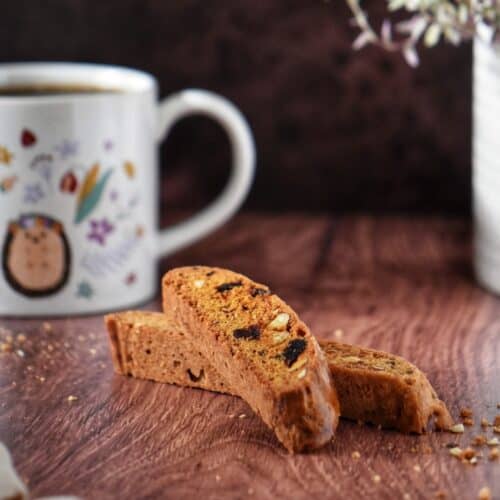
(79, 187)
(486, 167)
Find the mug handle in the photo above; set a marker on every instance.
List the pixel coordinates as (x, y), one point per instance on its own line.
(194, 101)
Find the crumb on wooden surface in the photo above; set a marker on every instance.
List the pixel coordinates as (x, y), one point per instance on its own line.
(479, 440)
(466, 412)
(6, 347)
(484, 493)
(468, 453)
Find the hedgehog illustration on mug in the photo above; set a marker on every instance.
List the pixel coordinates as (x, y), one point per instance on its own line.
(36, 255)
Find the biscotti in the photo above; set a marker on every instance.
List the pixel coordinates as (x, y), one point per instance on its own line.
(384, 389)
(260, 347)
(372, 386)
(146, 345)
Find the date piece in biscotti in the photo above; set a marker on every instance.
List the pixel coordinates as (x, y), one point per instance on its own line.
(260, 347)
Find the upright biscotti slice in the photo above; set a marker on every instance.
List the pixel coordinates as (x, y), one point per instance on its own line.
(372, 386)
(260, 347)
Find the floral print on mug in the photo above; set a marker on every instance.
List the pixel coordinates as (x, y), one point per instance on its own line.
(36, 249)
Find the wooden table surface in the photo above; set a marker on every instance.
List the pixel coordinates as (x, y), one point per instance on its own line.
(398, 284)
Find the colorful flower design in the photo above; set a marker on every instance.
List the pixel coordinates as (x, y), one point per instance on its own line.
(108, 250)
(90, 192)
(67, 149)
(43, 164)
(129, 168)
(100, 230)
(84, 290)
(5, 156)
(69, 182)
(8, 184)
(105, 262)
(28, 138)
(33, 193)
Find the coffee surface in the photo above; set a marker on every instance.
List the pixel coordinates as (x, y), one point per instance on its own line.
(44, 89)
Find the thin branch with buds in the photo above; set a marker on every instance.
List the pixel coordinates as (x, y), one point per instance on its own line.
(430, 21)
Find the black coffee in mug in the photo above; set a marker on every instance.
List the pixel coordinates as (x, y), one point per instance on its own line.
(45, 89)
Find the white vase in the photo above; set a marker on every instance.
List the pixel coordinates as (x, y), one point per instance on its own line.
(486, 164)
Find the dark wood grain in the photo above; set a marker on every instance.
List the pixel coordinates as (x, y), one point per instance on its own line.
(399, 284)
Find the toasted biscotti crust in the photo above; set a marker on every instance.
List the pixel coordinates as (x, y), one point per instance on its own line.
(260, 347)
(372, 386)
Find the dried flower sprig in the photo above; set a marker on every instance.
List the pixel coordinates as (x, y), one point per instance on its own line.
(430, 21)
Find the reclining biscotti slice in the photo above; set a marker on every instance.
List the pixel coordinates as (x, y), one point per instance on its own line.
(383, 389)
(260, 347)
(372, 386)
(146, 345)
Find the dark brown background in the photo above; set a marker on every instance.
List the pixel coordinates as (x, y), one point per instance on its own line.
(335, 130)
